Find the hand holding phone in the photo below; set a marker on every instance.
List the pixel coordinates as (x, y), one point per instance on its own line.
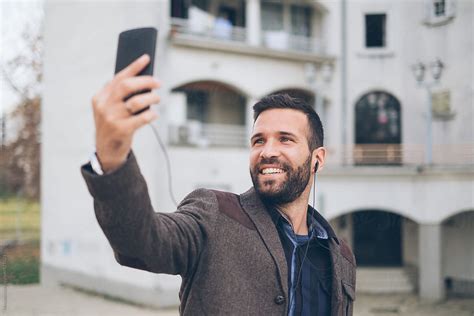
(131, 45)
(129, 92)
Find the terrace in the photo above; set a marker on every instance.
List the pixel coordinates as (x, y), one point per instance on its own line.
(276, 26)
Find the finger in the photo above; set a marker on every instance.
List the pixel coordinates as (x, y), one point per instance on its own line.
(134, 68)
(134, 122)
(141, 101)
(132, 85)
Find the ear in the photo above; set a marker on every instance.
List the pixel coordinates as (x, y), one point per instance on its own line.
(318, 156)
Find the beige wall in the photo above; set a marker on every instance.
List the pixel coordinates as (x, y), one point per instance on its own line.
(226, 108)
(458, 246)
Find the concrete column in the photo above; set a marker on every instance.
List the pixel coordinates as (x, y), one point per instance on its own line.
(430, 262)
(252, 19)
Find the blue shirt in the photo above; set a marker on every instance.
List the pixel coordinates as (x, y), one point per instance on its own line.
(309, 268)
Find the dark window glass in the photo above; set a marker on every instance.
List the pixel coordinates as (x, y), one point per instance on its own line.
(301, 20)
(198, 105)
(272, 16)
(201, 4)
(440, 7)
(228, 13)
(375, 30)
(378, 130)
(179, 9)
(378, 119)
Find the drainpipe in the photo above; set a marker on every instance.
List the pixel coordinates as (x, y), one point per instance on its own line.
(344, 81)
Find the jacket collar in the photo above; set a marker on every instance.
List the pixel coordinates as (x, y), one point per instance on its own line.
(263, 218)
(263, 221)
(251, 197)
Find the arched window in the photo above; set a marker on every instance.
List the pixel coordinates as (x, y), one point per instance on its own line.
(377, 129)
(213, 114)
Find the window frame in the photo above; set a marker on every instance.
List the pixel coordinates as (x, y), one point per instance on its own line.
(431, 17)
(383, 30)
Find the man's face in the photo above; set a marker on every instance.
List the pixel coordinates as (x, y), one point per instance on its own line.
(280, 159)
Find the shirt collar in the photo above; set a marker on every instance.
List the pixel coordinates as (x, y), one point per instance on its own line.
(315, 228)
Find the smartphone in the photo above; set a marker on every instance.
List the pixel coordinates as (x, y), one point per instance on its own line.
(133, 44)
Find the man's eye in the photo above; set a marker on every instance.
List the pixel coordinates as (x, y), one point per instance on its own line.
(258, 141)
(285, 139)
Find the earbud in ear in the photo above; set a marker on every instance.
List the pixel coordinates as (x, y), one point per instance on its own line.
(316, 166)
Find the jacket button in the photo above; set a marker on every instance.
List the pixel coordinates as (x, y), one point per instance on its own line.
(279, 300)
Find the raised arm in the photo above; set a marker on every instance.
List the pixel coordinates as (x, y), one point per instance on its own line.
(157, 242)
(141, 238)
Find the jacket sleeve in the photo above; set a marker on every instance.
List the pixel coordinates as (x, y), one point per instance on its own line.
(157, 242)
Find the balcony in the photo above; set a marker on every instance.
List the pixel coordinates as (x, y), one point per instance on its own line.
(186, 28)
(280, 40)
(203, 135)
(263, 28)
(184, 32)
(453, 155)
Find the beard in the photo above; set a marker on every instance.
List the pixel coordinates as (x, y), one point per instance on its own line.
(289, 190)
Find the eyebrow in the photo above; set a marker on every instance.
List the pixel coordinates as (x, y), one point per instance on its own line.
(287, 133)
(279, 132)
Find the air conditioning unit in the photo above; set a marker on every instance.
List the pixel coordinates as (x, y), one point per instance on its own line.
(189, 133)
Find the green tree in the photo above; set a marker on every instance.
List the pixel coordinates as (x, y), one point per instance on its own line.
(20, 153)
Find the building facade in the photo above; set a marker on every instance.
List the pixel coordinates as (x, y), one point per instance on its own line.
(398, 183)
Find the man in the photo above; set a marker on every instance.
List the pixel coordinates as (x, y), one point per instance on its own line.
(265, 252)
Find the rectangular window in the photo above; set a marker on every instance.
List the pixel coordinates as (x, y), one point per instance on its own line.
(301, 20)
(201, 4)
(272, 16)
(375, 30)
(198, 105)
(440, 7)
(179, 9)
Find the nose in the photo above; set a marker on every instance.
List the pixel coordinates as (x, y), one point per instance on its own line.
(269, 150)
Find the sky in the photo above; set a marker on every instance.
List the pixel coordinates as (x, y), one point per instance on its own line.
(14, 16)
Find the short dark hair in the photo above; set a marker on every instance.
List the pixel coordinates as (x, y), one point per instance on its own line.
(285, 101)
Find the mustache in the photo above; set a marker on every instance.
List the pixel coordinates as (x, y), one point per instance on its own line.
(272, 161)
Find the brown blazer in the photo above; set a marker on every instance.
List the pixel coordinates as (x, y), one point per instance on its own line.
(225, 247)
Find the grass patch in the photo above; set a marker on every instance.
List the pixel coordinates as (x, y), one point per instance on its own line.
(22, 271)
(21, 265)
(20, 221)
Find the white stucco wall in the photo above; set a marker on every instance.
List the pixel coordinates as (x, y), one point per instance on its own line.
(80, 44)
(389, 68)
(80, 47)
(425, 198)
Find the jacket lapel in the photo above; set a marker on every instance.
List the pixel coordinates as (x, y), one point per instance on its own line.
(259, 215)
(336, 297)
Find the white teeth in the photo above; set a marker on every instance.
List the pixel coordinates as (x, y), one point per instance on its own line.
(271, 170)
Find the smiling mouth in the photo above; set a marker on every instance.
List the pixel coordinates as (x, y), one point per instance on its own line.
(266, 171)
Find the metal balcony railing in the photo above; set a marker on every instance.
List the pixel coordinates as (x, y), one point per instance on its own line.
(281, 40)
(406, 154)
(198, 134)
(207, 31)
(277, 40)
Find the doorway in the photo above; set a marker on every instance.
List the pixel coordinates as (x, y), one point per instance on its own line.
(377, 238)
